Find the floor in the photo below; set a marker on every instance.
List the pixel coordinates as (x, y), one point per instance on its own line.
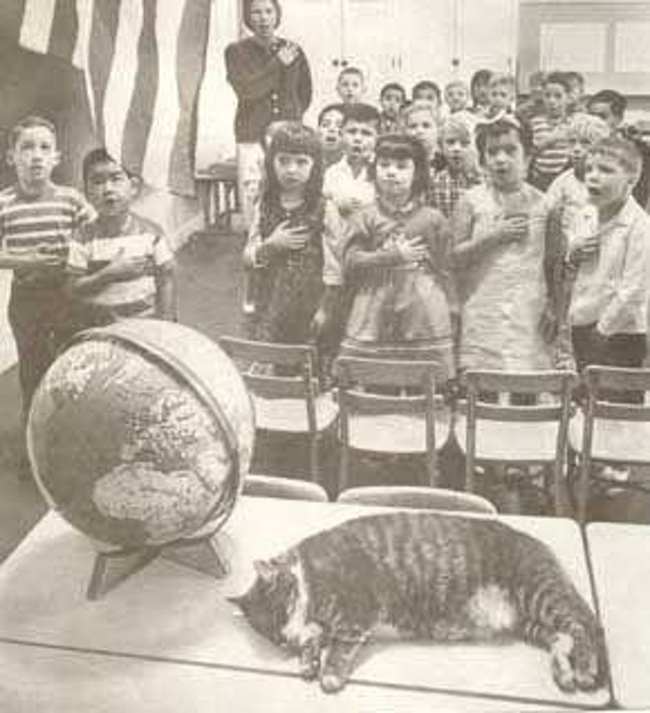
(210, 280)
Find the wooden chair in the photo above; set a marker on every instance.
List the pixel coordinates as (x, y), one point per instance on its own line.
(414, 420)
(610, 432)
(404, 496)
(293, 404)
(218, 195)
(270, 486)
(534, 433)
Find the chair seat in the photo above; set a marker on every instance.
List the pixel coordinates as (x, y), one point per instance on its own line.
(290, 415)
(624, 441)
(395, 433)
(514, 441)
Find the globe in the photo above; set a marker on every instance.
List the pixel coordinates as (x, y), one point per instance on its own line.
(140, 434)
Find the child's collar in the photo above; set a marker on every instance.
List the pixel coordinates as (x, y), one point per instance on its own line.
(46, 190)
(399, 211)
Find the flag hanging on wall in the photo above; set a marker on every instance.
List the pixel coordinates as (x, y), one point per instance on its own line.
(143, 63)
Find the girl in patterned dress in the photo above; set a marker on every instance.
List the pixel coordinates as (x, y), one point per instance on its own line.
(397, 260)
(500, 233)
(294, 242)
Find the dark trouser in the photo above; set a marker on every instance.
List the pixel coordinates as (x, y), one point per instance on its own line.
(39, 321)
(623, 350)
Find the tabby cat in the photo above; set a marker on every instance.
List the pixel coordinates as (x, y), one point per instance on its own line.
(433, 576)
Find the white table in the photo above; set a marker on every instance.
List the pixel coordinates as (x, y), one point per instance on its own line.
(168, 627)
(620, 558)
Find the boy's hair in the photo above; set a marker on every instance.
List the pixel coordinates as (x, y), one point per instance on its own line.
(337, 106)
(420, 105)
(30, 122)
(559, 78)
(392, 87)
(351, 70)
(498, 128)
(616, 101)
(294, 137)
(575, 77)
(457, 127)
(456, 83)
(426, 84)
(481, 76)
(589, 127)
(503, 80)
(101, 155)
(247, 12)
(539, 76)
(363, 113)
(624, 152)
(402, 146)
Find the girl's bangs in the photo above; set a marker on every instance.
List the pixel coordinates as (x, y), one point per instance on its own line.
(395, 149)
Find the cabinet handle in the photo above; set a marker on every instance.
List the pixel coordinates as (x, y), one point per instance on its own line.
(344, 63)
(335, 63)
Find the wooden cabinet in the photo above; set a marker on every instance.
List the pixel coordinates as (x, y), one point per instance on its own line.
(400, 40)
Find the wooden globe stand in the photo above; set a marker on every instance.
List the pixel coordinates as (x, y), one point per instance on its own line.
(113, 567)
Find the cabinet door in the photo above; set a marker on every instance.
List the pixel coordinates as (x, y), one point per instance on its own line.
(488, 36)
(317, 26)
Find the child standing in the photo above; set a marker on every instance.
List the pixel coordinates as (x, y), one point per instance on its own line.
(351, 85)
(294, 242)
(392, 99)
(499, 232)
(427, 91)
(609, 305)
(421, 121)
(37, 220)
(501, 96)
(460, 171)
(398, 260)
(347, 182)
(330, 125)
(479, 89)
(120, 265)
(551, 155)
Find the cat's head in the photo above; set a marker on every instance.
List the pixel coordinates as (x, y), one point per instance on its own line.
(270, 599)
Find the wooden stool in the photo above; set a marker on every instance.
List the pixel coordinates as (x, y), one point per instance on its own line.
(218, 194)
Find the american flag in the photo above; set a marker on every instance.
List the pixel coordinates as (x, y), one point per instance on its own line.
(143, 62)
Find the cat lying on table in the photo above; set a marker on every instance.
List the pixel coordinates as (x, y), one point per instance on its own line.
(438, 577)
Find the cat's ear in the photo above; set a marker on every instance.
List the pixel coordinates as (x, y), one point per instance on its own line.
(265, 570)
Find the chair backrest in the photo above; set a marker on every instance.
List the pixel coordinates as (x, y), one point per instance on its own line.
(417, 497)
(363, 382)
(602, 379)
(277, 371)
(269, 486)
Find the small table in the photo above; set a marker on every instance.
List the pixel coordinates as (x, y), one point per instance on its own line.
(218, 194)
(621, 566)
(170, 633)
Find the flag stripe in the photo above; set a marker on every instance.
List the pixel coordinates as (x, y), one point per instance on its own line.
(140, 115)
(119, 90)
(65, 26)
(155, 169)
(37, 24)
(11, 19)
(190, 67)
(102, 51)
(84, 18)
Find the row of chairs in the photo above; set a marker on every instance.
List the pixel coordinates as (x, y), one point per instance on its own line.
(523, 419)
(404, 496)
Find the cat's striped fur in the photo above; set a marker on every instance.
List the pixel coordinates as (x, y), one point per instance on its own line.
(427, 575)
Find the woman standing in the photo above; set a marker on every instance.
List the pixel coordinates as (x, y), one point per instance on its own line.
(272, 81)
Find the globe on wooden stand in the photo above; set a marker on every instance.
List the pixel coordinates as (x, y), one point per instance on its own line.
(140, 435)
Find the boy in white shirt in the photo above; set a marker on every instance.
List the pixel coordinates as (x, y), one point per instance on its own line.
(609, 304)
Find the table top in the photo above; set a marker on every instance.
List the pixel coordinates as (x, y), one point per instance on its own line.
(172, 614)
(621, 566)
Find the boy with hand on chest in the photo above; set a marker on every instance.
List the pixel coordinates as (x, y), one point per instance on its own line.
(120, 265)
(611, 260)
(37, 221)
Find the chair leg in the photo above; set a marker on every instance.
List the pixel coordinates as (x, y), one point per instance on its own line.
(583, 488)
(432, 468)
(314, 460)
(344, 467)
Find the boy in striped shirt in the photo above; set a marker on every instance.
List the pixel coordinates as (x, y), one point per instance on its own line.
(37, 220)
(119, 265)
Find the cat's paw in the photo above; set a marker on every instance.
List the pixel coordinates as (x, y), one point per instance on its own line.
(575, 663)
(309, 668)
(332, 682)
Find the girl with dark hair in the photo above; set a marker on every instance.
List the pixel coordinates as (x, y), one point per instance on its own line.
(500, 232)
(272, 81)
(397, 260)
(480, 91)
(294, 241)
